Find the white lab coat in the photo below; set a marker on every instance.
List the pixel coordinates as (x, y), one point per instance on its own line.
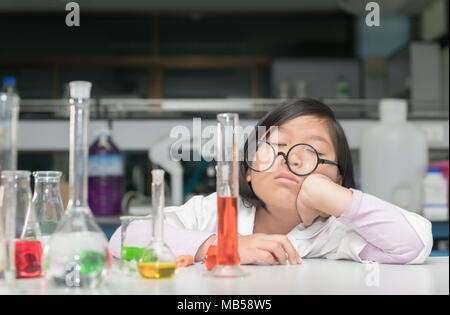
(325, 238)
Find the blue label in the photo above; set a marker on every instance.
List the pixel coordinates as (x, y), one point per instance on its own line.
(105, 165)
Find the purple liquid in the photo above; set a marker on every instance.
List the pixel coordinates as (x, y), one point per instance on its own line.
(105, 183)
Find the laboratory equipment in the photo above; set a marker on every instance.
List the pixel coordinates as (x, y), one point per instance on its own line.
(227, 186)
(9, 110)
(342, 87)
(19, 216)
(7, 231)
(77, 254)
(435, 196)
(394, 157)
(158, 260)
(105, 176)
(3, 254)
(300, 89)
(47, 202)
(133, 244)
(9, 85)
(444, 167)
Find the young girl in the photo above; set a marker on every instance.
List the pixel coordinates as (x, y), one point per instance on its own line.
(302, 204)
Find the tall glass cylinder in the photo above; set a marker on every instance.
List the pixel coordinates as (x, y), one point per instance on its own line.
(9, 110)
(227, 197)
(78, 159)
(77, 255)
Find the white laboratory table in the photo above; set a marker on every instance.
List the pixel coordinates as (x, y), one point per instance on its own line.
(313, 276)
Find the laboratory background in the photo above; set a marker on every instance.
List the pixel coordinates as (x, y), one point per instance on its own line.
(157, 65)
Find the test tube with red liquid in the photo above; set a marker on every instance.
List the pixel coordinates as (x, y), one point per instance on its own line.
(228, 260)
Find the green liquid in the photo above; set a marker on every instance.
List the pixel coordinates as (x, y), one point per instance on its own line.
(92, 262)
(130, 253)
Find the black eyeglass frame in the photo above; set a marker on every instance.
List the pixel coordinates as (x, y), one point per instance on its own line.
(285, 156)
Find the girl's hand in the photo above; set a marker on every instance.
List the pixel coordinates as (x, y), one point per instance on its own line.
(320, 196)
(270, 248)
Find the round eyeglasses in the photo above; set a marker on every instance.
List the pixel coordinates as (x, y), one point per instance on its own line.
(301, 159)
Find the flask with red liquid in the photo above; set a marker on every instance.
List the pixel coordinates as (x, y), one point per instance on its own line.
(227, 187)
(22, 224)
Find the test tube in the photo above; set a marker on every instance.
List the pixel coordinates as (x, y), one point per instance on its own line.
(227, 197)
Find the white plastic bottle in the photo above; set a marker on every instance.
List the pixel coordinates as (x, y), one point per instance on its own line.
(394, 157)
(435, 196)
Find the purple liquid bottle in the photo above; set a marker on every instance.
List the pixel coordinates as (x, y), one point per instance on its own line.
(105, 176)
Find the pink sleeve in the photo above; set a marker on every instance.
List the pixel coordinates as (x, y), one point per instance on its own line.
(139, 233)
(390, 236)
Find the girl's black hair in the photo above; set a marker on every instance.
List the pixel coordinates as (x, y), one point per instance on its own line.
(288, 110)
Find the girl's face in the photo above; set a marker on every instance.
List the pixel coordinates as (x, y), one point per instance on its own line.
(278, 188)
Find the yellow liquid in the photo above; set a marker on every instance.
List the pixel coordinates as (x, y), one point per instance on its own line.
(157, 270)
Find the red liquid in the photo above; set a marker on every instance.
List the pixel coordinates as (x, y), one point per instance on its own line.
(227, 245)
(28, 259)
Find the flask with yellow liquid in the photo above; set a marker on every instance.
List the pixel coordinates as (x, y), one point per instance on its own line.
(157, 260)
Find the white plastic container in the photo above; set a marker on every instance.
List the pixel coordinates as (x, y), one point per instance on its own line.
(435, 196)
(394, 157)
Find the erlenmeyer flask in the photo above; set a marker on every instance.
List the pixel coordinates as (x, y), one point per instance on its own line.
(77, 254)
(157, 261)
(47, 202)
(25, 232)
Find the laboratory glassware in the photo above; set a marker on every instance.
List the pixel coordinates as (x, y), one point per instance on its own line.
(77, 254)
(133, 244)
(7, 231)
(105, 176)
(47, 202)
(394, 157)
(20, 217)
(158, 260)
(9, 110)
(227, 187)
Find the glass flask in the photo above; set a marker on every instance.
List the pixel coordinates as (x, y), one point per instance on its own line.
(77, 254)
(157, 261)
(47, 202)
(9, 110)
(133, 244)
(22, 226)
(227, 186)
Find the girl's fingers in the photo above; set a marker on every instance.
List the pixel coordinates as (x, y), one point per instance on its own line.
(266, 256)
(275, 248)
(293, 256)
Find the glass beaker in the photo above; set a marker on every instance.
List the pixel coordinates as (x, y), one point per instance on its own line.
(157, 261)
(47, 202)
(77, 254)
(133, 244)
(9, 109)
(20, 216)
(227, 197)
